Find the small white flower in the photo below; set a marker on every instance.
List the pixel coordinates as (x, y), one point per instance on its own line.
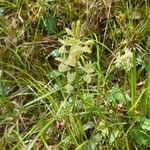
(124, 61)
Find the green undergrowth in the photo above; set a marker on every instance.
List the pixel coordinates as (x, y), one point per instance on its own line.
(74, 75)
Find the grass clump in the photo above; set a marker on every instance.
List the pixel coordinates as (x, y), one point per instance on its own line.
(74, 74)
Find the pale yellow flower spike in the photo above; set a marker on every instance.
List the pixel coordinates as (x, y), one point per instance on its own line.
(71, 60)
(70, 77)
(87, 78)
(69, 88)
(88, 68)
(63, 68)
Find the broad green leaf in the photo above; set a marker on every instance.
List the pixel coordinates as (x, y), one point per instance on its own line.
(113, 136)
(88, 125)
(146, 125)
(140, 137)
(92, 145)
(49, 24)
(116, 95)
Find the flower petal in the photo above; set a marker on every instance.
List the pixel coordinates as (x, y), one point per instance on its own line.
(69, 88)
(63, 68)
(87, 78)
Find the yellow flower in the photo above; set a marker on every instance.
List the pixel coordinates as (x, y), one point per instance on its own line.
(86, 49)
(63, 67)
(62, 49)
(69, 88)
(76, 50)
(88, 68)
(89, 42)
(71, 60)
(87, 78)
(69, 32)
(70, 77)
(68, 41)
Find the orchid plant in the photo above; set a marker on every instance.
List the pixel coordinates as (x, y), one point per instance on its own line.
(72, 51)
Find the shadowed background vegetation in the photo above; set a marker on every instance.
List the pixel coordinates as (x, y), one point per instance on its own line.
(74, 74)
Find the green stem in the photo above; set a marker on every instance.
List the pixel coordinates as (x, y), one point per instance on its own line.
(147, 95)
(133, 85)
(127, 143)
(98, 61)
